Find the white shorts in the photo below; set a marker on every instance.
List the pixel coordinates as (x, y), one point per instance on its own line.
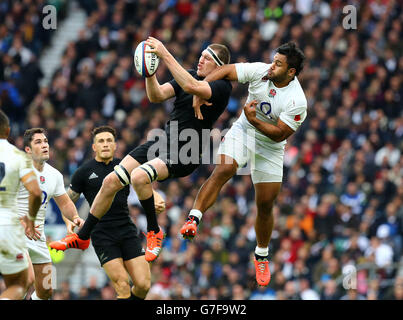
(38, 250)
(13, 256)
(266, 164)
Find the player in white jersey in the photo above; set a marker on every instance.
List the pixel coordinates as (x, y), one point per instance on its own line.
(276, 107)
(15, 169)
(52, 185)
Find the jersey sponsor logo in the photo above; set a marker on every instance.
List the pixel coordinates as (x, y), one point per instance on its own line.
(92, 176)
(266, 108)
(42, 179)
(297, 117)
(272, 93)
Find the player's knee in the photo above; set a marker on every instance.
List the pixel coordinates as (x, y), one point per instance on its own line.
(45, 294)
(265, 207)
(111, 183)
(122, 287)
(139, 178)
(143, 284)
(223, 172)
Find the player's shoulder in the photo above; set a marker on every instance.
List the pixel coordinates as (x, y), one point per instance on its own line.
(86, 167)
(15, 154)
(50, 169)
(257, 67)
(298, 95)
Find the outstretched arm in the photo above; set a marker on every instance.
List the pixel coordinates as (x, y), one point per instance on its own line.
(227, 71)
(184, 79)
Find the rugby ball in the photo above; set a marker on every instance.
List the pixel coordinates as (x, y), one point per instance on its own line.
(146, 63)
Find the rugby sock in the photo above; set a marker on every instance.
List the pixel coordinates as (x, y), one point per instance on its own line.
(261, 253)
(149, 209)
(196, 215)
(85, 232)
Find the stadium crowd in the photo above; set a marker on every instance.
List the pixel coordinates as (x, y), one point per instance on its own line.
(341, 202)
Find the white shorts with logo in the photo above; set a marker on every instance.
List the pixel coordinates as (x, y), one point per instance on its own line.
(13, 256)
(265, 163)
(38, 250)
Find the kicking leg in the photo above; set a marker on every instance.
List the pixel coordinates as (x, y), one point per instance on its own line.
(142, 178)
(208, 193)
(111, 184)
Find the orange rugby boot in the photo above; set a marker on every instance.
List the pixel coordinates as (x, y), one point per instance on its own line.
(71, 241)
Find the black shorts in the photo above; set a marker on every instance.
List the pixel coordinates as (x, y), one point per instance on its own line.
(111, 242)
(175, 170)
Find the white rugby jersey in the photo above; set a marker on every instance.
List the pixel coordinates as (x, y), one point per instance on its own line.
(288, 103)
(14, 164)
(52, 185)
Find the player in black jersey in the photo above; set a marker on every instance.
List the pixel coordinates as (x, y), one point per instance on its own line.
(115, 238)
(146, 163)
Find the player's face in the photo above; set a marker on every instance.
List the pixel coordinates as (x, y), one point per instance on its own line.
(39, 149)
(104, 146)
(279, 71)
(206, 64)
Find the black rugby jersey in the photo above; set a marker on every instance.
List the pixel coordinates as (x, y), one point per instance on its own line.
(183, 111)
(87, 179)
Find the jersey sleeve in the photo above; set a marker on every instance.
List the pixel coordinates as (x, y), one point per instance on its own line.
(59, 190)
(294, 114)
(220, 91)
(175, 85)
(250, 72)
(76, 183)
(26, 165)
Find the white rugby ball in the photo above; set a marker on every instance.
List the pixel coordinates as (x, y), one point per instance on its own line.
(146, 63)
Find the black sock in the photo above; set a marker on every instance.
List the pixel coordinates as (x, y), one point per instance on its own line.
(85, 232)
(149, 209)
(261, 257)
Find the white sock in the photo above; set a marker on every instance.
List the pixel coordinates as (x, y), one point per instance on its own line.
(197, 213)
(263, 252)
(35, 297)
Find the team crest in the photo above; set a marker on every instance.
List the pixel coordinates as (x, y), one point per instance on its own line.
(272, 93)
(42, 179)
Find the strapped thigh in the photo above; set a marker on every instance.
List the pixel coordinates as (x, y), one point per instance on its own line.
(150, 170)
(123, 175)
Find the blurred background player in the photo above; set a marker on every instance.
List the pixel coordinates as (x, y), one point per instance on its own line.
(276, 107)
(15, 169)
(52, 185)
(115, 238)
(137, 167)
